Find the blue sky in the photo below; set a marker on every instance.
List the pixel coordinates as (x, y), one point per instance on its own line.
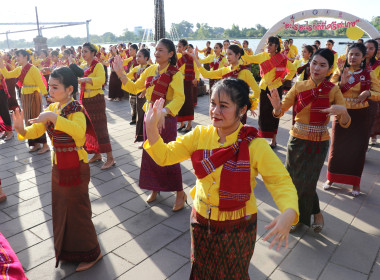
(117, 15)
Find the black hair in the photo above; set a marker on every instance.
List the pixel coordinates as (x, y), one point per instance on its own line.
(326, 54)
(171, 48)
(376, 44)
(290, 39)
(245, 41)
(317, 41)
(276, 41)
(331, 41)
(54, 53)
(236, 49)
(220, 45)
(309, 49)
(145, 53)
(68, 76)
(45, 52)
(183, 42)
(362, 49)
(91, 47)
(134, 46)
(360, 41)
(67, 51)
(316, 47)
(63, 46)
(9, 55)
(226, 41)
(23, 53)
(208, 42)
(237, 90)
(190, 45)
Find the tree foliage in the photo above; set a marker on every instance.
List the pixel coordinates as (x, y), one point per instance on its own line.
(186, 30)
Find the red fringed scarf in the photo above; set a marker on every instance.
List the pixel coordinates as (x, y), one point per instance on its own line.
(235, 181)
(208, 51)
(24, 71)
(189, 66)
(161, 83)
(45, 62)
(319, 99)
(8, 65)
(235, 73)
(3, 86)
(277, 61)
(375, 65)
(130, 64)
(86, 74)
(65, 148)
(363, 77)
(215, 66)
(306, 71)
(137, 74)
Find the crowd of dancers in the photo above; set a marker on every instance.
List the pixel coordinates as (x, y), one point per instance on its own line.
(227, 155)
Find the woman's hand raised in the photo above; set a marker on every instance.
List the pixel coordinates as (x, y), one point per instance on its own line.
(275, 100)
(18, 121)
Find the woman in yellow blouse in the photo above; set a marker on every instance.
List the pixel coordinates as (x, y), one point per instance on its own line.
(223, 220)
(273, 67)
(234, 53)
(142, 59)
(11, 83)
(226, 44)
(207, 51)
(303, 65)
(373, 64)
(92, 98)
(309, 138)
(162, 79)
(349, 146)
(216, 61)
(32, 87)
(75, 238)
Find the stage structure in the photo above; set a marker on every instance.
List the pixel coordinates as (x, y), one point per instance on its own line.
(40, 42)
(345, 20)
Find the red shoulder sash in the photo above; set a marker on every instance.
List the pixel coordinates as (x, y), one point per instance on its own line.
(24, 71)
(363, 77)
(161, 83)
(278, 61)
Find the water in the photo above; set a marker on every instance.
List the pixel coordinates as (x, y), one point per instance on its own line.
(298, 42)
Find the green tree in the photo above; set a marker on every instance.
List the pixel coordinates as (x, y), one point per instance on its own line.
(184, 28)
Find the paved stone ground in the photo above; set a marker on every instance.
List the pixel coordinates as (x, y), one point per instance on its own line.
(141, 241)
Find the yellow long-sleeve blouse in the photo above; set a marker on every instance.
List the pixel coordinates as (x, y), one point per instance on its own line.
(213, 58)
(131, 73)
(268, 80)
(32, 81)
(244, 75)
(294, 49)
(298, 63)
(377, 72)
(74, 125)
(175, 96)
(354, 92)
(98, 79)
(182, 68)
(303, 117)
(262, 160)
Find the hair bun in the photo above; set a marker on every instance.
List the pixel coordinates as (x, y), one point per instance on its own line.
(78, 72)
